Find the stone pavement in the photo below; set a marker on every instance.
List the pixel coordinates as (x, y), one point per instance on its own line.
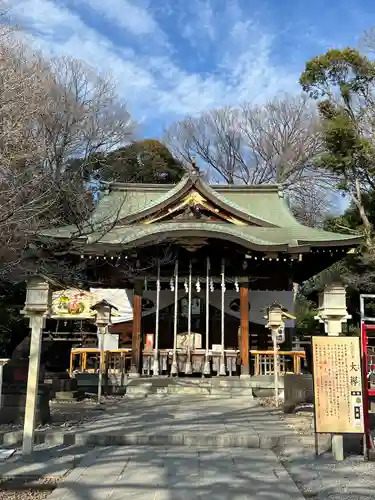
(177, 473)
(53, 462)
(204, 415)
(220, 458)
(175, 420)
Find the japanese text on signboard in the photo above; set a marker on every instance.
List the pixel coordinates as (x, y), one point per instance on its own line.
(337, 385)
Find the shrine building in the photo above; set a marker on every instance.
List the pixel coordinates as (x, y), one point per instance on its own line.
(192, 268)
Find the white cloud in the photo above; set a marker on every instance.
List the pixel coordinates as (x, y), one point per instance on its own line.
(125, 14)
(199, 22)
(156, 83)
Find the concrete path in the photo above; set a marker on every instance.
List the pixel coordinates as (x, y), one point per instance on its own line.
(177, 473)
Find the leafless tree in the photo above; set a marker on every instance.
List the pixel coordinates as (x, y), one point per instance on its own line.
(274, 143)
(84, 116)
(51, 112)
(367, 41)
(312, 205)
(251, 144)
(21, 98)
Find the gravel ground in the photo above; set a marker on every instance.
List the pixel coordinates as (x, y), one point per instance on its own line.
(323, 478)
(23, 489)
(302, 421)
(70, 414)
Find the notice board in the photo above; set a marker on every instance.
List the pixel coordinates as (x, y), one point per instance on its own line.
(337, 385)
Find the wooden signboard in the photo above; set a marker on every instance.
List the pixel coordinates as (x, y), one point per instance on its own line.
(337, 385)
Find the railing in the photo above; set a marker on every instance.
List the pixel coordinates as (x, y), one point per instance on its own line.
(118, 361)
(289, 362)
(87, 360)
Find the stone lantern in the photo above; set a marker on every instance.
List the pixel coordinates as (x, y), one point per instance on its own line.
(332, 309)
(274, 317)
(38, 297)
(103, 311)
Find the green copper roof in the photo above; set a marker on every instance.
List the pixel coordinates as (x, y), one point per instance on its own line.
(251, 236)
(261, 203)
(264, 202)
(125, 200)
(117, 218)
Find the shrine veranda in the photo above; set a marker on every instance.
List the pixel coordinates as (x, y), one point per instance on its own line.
(192, 268)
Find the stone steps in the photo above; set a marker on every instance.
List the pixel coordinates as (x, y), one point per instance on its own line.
(121, 438)
(211, 387)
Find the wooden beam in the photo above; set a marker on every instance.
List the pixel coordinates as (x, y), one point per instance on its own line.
(136, 334)
(244, 340)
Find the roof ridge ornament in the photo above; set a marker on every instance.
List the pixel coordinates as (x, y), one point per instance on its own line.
(194, 170)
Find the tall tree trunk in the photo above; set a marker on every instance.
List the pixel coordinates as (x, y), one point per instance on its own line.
(357, 199)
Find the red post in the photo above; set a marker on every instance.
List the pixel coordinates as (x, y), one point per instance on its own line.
(366, 391)
(365, 384)
(244, 311)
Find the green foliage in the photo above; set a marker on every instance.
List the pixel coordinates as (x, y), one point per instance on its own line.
(350, 221)
(147, 161)
(347, 154)
(346, 71)
(345, 79)
(305, 311)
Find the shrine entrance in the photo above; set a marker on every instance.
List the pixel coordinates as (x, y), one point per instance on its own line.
(209, 248)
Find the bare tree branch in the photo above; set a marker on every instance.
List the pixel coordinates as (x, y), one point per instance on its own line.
(50, 112)
(275, 143)
(84, 115)
(271, 144)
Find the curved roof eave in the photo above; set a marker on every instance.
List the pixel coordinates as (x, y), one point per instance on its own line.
(128, 237)
(187, 182)
(350, 241)
(261, 239)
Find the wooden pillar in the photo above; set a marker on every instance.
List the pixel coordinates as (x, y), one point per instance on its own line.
(244, 340)
(136, 335)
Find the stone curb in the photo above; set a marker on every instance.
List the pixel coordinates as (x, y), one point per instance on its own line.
(58, 438)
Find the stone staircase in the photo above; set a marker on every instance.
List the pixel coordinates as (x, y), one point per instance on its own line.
(216, 386)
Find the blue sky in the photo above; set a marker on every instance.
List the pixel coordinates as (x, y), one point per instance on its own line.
(172, 58)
